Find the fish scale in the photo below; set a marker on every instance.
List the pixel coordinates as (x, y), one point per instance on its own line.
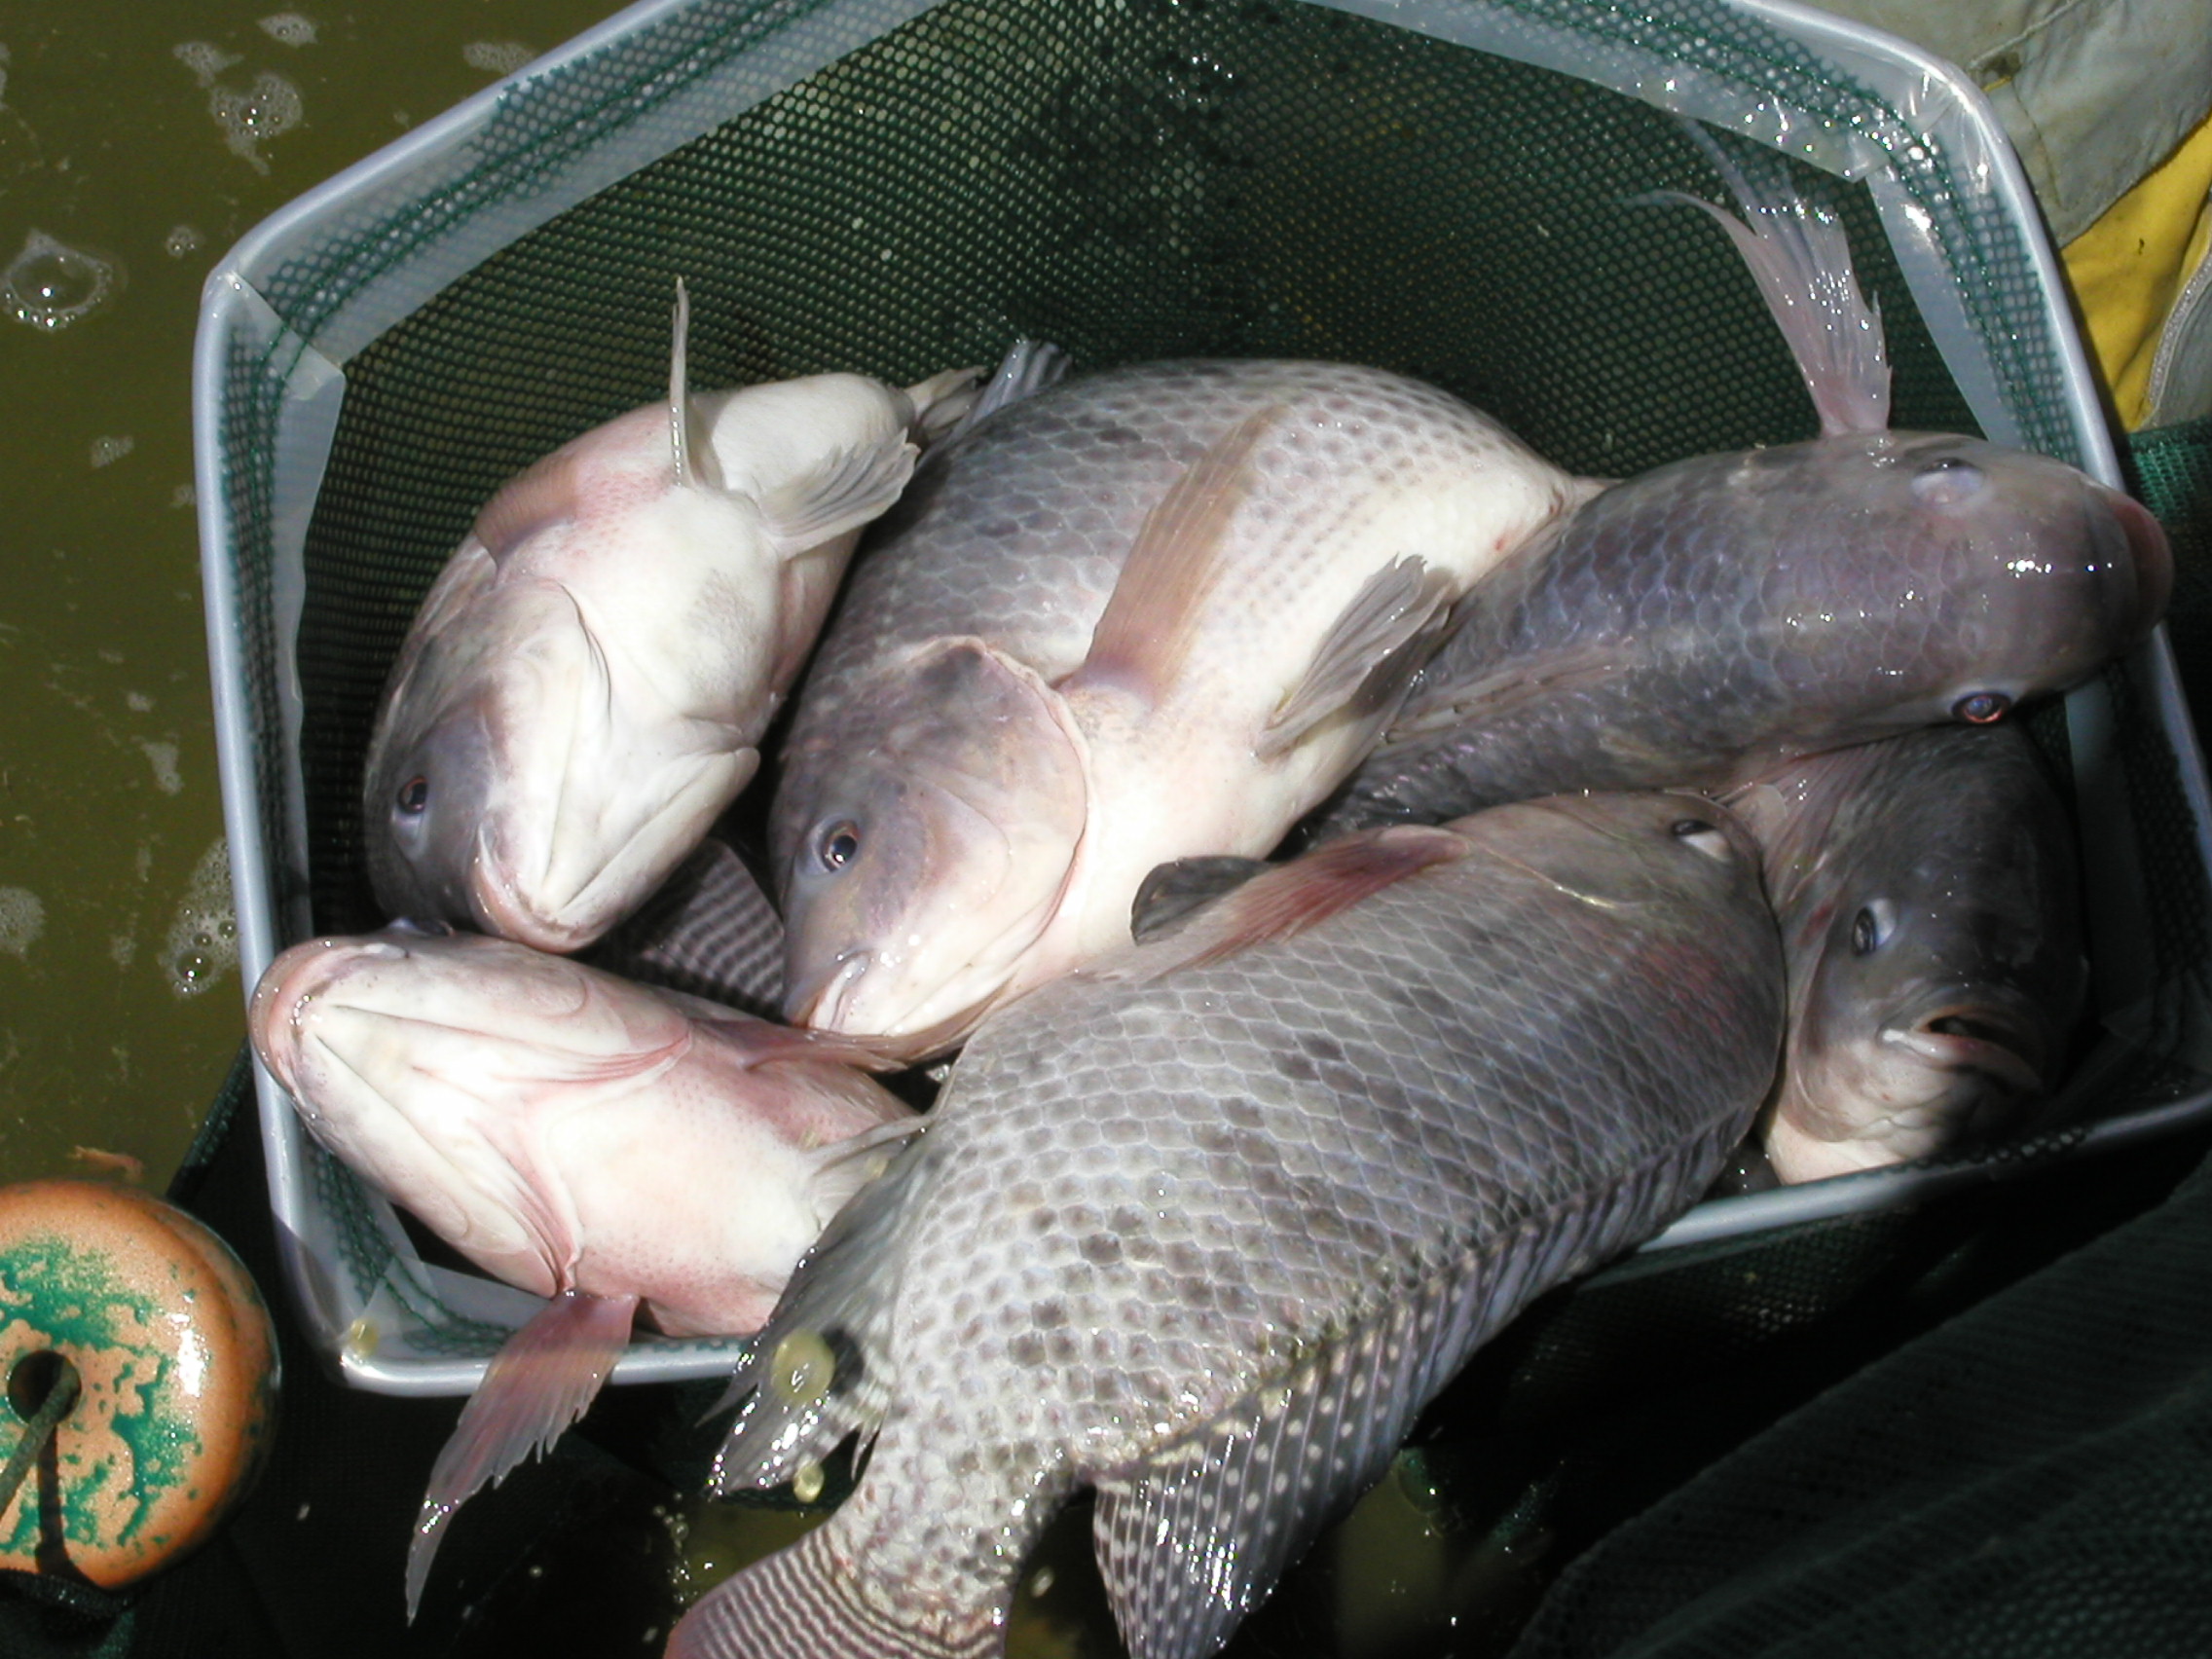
(1713, 618)
(1206, 1233)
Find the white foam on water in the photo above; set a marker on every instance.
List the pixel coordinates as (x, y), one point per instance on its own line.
(51, 285)
(268, 109)
(122, 948)
(182, 240)
(167, 778)
(289, 28)
(138, 702)
(497, 56)
(184, 495)
(202, 941)
(203, 59)
(22, 918)
(106, 450)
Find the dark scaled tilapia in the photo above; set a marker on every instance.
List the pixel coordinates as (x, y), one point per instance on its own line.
(1927, 892)
(1709, 620)
(1156, 611)
(1205, 1223)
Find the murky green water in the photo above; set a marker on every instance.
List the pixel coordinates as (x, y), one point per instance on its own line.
(139, 140)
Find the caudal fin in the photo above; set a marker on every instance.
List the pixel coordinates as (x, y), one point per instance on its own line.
(538, 1384)
(804, 1602)
(1800, 256)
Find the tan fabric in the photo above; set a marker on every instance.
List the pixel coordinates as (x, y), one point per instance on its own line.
(2093, 94)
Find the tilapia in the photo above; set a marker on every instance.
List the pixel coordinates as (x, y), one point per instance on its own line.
(1204, 1223)
(583, 688)
(1706, 621)
(612, 1147)
(1154, 612)
(1926, 891)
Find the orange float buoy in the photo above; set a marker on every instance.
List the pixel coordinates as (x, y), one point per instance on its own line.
(173, 1360)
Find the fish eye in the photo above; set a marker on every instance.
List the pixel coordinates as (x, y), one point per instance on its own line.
(1870, 929)
(837, 844)
(1701, 835)
(415, 795)
(1946, 481)
(1981, 708)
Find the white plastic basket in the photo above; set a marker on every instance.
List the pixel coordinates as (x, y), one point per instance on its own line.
(309, 295)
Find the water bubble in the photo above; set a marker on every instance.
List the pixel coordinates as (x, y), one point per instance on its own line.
(182, 240)
(289, 28)
(106, 450)
(183, 496)
(497, 56)
(162, 758)
(50, 284)
(205, 60)
(203, 944)
(268, 109)
(22, 918)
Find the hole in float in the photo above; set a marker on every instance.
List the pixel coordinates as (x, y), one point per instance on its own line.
(35, 1376)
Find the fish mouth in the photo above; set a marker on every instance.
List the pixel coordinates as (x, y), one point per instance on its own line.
(825, 1002)
(1998, 1043)
(288, 990)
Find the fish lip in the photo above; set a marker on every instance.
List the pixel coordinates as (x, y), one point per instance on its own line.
(291, 984)
(825, 1003)
(499, 910)
(1999, 1042)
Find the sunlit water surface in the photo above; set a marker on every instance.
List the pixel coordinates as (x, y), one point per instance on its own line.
(139, 140)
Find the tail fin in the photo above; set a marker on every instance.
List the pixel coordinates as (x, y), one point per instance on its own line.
(805, 1603)
(538, 1384)
(1800, 256)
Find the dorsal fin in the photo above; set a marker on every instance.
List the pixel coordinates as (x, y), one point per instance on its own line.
(1798, 253)
(680, 387)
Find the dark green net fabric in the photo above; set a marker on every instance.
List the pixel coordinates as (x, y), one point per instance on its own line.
(1241, 181)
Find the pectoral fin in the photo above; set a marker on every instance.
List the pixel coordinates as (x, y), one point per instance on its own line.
(538, 1384)
(1368, 659)
(850, 487)
(1291, 897)
(1173, 568)
(1173, 891)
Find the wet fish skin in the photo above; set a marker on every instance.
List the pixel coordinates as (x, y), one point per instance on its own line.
(1020, 708)
(564, 1130)
(1928, 897)
(1205, 1222)
(1712, 619)
(581, 692)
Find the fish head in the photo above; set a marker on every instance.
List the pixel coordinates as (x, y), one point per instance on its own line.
(514, 785)
(1934, 992)
(916, 873)
(2023, 576)
(420, 1060)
